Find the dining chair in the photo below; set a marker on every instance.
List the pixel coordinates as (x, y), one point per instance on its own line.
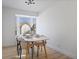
(26, 46)
(23, 45)
(40, 44)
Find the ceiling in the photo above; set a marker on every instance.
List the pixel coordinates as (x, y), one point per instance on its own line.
(39, 6)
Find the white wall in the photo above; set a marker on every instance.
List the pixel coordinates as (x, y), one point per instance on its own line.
(58, 23)
(9, 23)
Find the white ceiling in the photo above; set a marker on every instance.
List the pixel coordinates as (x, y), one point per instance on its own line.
(39, 6)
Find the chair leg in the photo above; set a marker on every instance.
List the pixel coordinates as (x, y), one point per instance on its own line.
(41, 48)
(38, 51)
(27, 49)
(27, 54)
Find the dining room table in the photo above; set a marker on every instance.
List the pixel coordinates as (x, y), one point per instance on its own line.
(32, 39)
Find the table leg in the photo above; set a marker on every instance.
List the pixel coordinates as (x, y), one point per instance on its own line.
(20, 50)
(32, 49)
(45, 48)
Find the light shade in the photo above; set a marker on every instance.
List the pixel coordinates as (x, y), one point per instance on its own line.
(30, 2)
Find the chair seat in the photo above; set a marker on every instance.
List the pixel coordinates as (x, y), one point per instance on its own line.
(25, 45)
(40, 43)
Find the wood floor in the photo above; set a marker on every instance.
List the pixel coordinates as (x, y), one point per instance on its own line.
(10, 53)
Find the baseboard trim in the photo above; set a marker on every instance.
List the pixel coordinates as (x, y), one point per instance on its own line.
(60, 50)
(8, 46)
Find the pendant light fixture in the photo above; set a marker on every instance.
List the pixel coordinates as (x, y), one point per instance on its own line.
(28, 2)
